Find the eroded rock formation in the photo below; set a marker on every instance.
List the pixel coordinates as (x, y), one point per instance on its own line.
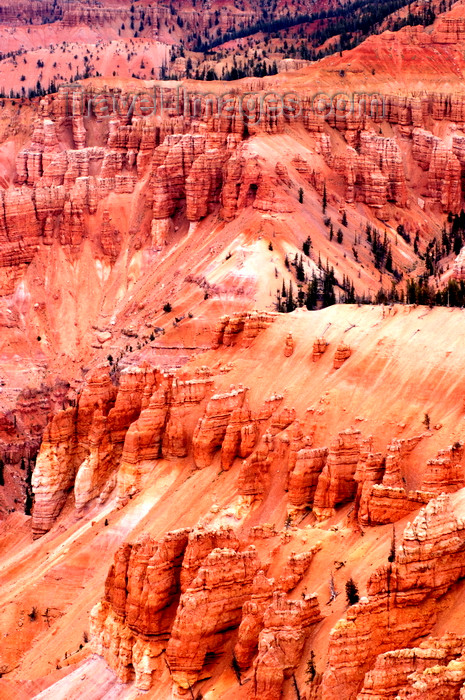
(402, 598)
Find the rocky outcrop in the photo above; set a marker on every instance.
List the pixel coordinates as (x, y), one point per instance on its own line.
(401, 603)
(319, 348)
(54, 473)
(243, 326)
(386, 155)
(404, 673)
(142, 443)
(129, 624)
(106, 437)
(210, 606)
(201, 542)
(281, 642)
(252, 620)
(388, 504)
(459, 266)
(289, 345)
(389, 501)
(336, 483)
(253, 478)
(444, 178)
(188, 588)
(114, 437)
(445, 474)
(370, 471)
(240, 437)
(211, 429)
(303, 478)
(295, 568)
(343, 352)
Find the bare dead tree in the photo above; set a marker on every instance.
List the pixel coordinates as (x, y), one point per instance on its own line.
(332, 589)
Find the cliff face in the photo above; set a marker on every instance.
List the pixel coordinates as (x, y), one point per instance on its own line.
(111, 438)
(336, 484)
(405, 673)
(193, 587)
(189, 587)
(401, 601)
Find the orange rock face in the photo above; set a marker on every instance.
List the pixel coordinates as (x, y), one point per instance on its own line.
(142, 605)
(342, 354)
(280, 644)
(400, 606)
(319, 348)
(211, 429)
(112, 438)
(211, 605)
(289, 346)
(336, 483)
(404, 673)
(303, 479)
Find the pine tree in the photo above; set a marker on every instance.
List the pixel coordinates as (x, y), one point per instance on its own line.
(325, 199)
(2, 475)
(344, 219)
(300, 270)
(312, 294)
(339, 236)
(307, 244)
(290, 305)
(301, 195)
(352, 592)
(392, 551)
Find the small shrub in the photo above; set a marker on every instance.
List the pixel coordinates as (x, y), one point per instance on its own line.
(167, 308)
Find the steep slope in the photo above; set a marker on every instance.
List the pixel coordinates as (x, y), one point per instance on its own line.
(374, 396)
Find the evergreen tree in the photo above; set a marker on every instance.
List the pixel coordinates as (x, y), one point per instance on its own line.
(312, 294)
(329, 296)
(290, 304)
(352, 592)
(307, 244)
(300, 270)
(392, 551)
